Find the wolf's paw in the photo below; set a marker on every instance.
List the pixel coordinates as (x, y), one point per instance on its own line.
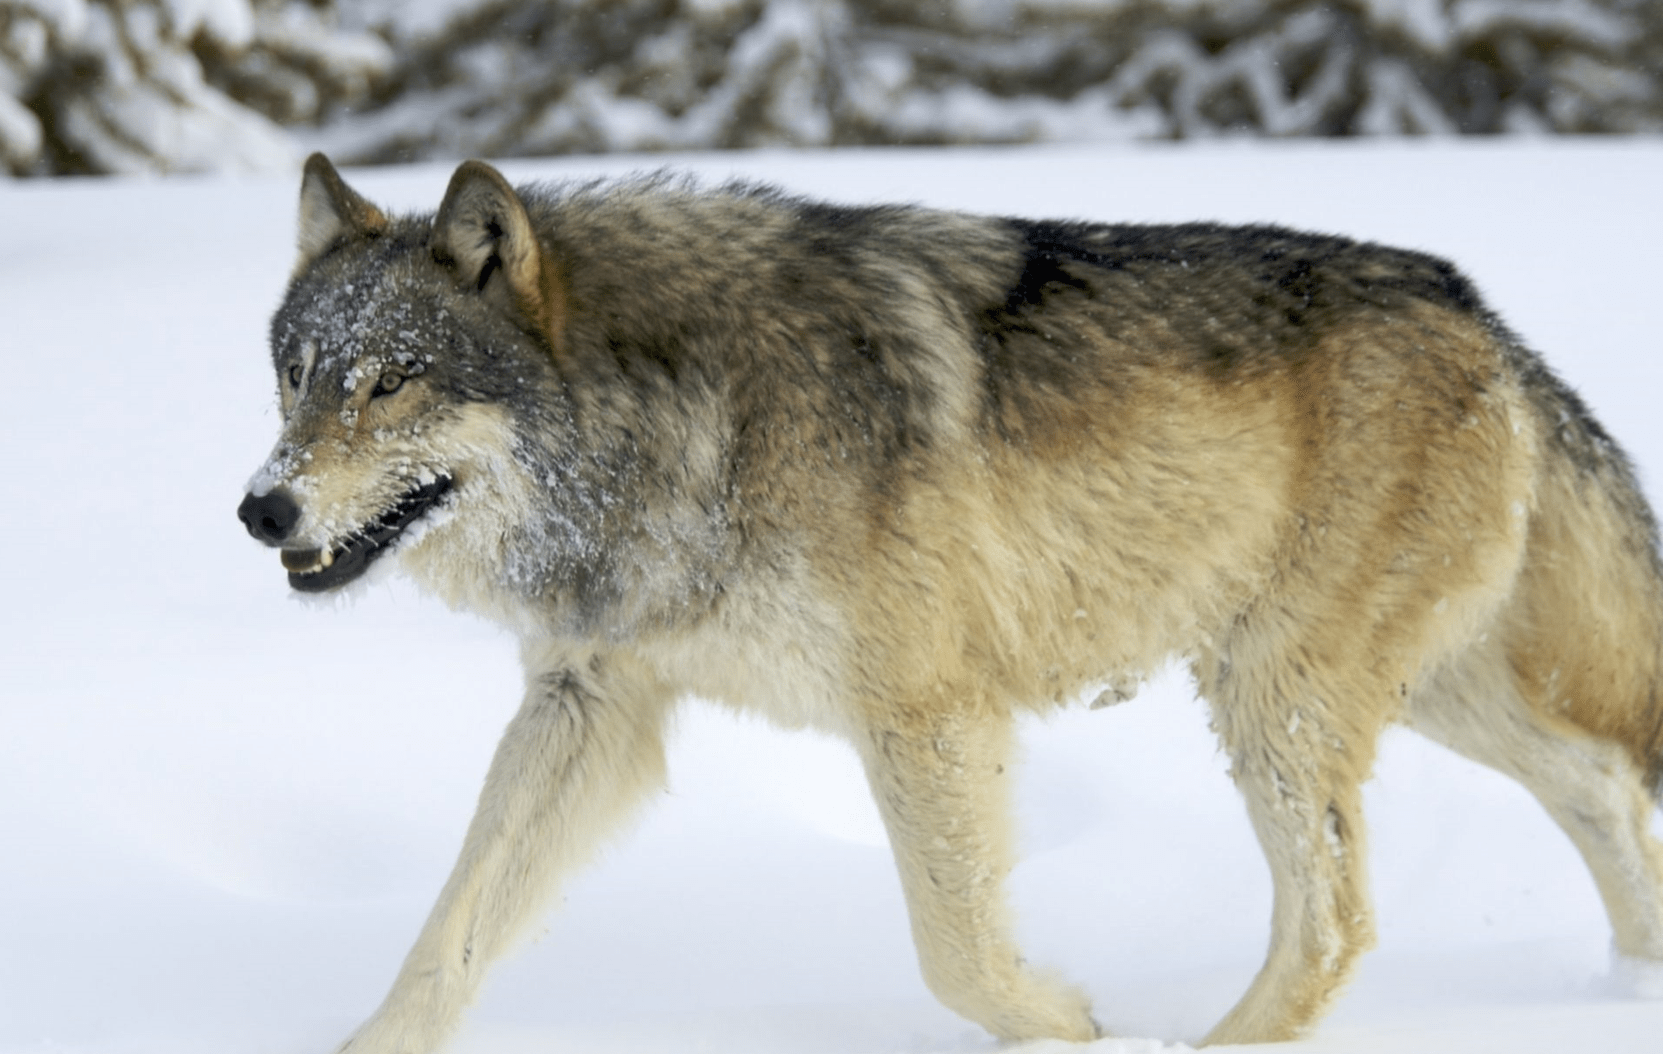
(394, 1033)
(1636, 978)
(1041, 1006)
(1112, 1045)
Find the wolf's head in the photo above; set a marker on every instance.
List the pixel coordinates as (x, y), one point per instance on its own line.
(410, 353)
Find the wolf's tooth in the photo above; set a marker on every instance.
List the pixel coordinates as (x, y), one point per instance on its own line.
(326, 559)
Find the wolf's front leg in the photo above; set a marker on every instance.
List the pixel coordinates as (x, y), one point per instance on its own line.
(586, 743)
(942, 782)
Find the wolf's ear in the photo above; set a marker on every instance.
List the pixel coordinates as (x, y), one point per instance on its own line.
(482, 231)
(331, 210)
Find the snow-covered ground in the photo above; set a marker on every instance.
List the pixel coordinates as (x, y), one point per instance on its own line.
(223, 814)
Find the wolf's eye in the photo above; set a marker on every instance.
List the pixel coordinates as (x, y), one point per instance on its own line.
(388, 384)
(296, 372)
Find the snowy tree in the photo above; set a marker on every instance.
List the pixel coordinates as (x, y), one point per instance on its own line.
(497, 78)
(169, 85)
(119, 85)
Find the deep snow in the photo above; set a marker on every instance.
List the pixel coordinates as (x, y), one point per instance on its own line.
(225, 814)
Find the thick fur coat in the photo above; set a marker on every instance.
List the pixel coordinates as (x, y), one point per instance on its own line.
(901, 474)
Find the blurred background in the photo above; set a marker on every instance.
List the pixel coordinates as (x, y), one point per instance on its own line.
(134, 86)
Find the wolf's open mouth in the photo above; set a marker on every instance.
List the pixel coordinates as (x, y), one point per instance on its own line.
(316, 571)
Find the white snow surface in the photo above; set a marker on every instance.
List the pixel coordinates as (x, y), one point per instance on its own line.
(224, 815)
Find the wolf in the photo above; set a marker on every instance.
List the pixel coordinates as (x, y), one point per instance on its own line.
(903, 475)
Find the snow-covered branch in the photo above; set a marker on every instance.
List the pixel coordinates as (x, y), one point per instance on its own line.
(163, 85)
(169, 85)
(579, 76)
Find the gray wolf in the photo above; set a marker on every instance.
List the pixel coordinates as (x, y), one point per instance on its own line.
(902, 475)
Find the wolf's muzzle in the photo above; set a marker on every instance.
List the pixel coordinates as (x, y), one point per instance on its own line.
(269, 517)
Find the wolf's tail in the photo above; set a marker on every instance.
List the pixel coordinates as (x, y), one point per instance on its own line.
(1593, 580)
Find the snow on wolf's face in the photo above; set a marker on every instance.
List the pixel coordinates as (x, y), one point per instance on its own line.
(395, 394)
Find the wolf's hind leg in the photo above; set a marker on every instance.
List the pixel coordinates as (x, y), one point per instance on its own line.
(942, 783)
(1300, 762)
(1590, 786)
(586, 744)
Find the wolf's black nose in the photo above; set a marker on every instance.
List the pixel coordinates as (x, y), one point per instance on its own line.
(269, 517)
